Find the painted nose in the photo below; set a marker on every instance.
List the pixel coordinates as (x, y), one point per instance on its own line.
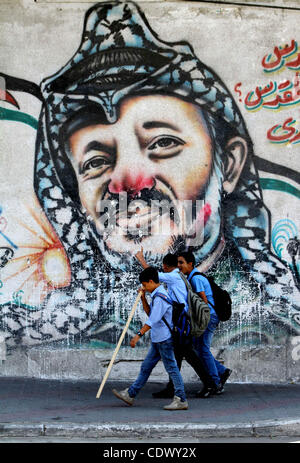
(133, 171)
(130, 183)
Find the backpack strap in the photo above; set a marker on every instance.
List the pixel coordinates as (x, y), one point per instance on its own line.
(165, 298)
(202, 274)
(162, 296)
(197, 273)
(186, 282)
(164, 320)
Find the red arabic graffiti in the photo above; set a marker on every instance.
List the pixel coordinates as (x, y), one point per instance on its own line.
(284, 133)
(278, 95)
(282, 56)
(236, 88)
(274, 96)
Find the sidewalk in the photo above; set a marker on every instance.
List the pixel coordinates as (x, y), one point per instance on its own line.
(33, 407)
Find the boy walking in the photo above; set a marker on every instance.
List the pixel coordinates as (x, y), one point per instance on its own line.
(184, 349)
(201, 286)
(161, 342)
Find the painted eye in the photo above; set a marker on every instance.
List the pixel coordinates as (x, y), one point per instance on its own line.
(163, 143)
(165, 147)
(166, 142)
(95, 163)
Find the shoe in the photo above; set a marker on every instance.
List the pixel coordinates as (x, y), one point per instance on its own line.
(177, 404)
(219, 389)
(208, 391)
(166, 393)
(205, 392)
(123, 395)
(225, 376)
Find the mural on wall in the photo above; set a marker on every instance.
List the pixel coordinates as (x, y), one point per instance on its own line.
(139, 143)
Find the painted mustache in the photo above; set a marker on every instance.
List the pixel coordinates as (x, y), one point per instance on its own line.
(136, 212)
(154, 211)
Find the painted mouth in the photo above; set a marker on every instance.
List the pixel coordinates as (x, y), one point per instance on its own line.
(152, 212)
(141, 222)
(138, 214)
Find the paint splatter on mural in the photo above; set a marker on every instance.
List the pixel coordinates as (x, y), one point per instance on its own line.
(120, 129)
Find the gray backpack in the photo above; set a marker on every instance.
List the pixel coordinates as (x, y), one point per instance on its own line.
(199, 311)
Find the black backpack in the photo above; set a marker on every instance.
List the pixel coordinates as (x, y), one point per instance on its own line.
(221, 297)
(181, 321)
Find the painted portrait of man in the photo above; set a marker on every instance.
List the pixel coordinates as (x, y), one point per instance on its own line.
(134, 118)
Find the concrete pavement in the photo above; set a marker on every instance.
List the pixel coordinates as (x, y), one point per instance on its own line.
(34, 407)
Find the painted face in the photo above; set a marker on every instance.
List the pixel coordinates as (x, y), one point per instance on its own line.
(184, 266)
(159, 149)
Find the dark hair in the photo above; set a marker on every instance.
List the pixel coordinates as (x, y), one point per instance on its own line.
(188, 256)
(170, 260)
(150, 273)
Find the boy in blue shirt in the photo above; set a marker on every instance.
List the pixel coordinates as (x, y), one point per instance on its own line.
(161, 342)
(201, 286)
(178, 293)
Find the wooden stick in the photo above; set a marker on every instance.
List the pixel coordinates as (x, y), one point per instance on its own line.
(118, 345)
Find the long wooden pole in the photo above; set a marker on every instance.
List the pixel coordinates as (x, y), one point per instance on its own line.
(118, 345)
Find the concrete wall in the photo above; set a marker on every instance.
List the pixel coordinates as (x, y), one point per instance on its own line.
(222, 84)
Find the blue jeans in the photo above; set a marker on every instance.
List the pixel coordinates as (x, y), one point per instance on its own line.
(202, 345)
(164, 351)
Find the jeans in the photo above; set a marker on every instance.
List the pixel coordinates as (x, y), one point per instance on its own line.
(188, 352)
(202, 345)
(164, 351)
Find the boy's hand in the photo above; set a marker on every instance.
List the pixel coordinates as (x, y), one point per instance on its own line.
(142, 291)
(134, 340)
(140, 255)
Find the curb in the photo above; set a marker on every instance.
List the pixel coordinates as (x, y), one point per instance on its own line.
(265, 428)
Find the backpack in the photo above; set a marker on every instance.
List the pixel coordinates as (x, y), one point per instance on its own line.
(199, 311)
(221, 297)
(181, 321)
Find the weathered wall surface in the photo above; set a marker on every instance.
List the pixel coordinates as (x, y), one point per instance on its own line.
(191, 103)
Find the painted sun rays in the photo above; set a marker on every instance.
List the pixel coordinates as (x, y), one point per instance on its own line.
(40, 265)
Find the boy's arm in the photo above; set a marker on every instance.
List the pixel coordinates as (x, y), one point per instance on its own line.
(137, 337)
(146, 306)
(167, 278)
(199, 288)
(140, 257)
(163, 277)
(146, 327)
(203, 296)
(157, 313)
